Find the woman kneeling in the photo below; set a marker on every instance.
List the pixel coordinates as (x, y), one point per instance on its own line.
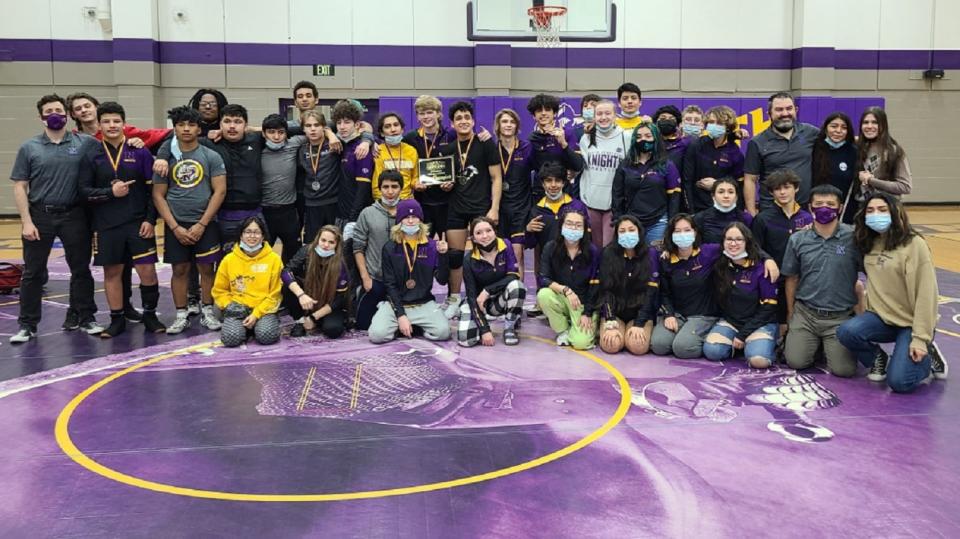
(318, 283)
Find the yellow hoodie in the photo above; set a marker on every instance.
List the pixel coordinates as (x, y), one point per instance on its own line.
(253, 281)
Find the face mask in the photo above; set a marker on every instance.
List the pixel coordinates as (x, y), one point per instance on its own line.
(715, 131)
(248, 249)
(878, 222)
(646, 146)
(554, 198)
(625, 114)
(410, 230)
(587, 115)
(571, 235)
(783, 125)
(667, 127)
(324, 253)
(835, 145)
(824, 214)
(488, 247)
(683, 240)
(740, 256)
(691, 130)
(393, 140)
(628, 240)
(389, 202)
(606, 130)
(275, 145)
(55, 121)
(723, 209)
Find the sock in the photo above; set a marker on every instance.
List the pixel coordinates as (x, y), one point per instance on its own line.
(116, 314)
(149, 297)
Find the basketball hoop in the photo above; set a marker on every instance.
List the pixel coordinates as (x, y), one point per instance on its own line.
(546, 22)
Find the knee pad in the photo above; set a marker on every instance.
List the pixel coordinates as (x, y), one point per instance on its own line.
(455, 258)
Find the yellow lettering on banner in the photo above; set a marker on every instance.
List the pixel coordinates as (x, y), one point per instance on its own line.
(757, 122)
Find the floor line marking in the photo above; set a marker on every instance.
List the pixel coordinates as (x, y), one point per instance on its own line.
(306, 389)
(355, 396)
(55, 296)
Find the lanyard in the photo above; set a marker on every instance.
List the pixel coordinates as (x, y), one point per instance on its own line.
(429, 146)
(397, 161)
(506, 166)
(315, 160)
(463, 155)
(410, 261)
(114, 163)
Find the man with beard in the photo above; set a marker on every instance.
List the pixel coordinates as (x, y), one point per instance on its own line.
(788, 144)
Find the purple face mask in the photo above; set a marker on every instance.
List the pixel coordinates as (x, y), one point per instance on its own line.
(55, 121)
(824, 214)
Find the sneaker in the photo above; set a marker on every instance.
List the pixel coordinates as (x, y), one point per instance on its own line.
(117, 326)
(535, 311)
(510, 336)
(131, 314)
(298, 330)
(452, 309)
(193, 306)
(22, 336)
(179, 324)
(208, 319)
(938, 365)
(72, 321)
(563, 339)
(90, 327)
(878, 372)
(152, 324)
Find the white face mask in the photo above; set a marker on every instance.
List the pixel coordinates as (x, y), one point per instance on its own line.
(251, 249)
(722, 208)
(390, 202)
(739, 256)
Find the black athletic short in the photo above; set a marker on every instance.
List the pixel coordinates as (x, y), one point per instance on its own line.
(122, 244)
(460, 221)
(513, 224)
(435, 215)
(205, 251)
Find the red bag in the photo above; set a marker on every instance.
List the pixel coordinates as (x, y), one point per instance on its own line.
(10, 275)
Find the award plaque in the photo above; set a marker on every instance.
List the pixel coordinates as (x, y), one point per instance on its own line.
(436, 170)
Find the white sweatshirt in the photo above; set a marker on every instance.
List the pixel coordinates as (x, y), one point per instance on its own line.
(600, 164)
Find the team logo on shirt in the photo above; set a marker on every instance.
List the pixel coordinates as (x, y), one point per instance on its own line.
(468, 174)
(187, 173)
(843, 166)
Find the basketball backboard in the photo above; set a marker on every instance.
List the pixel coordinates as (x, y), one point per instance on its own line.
(507, 20)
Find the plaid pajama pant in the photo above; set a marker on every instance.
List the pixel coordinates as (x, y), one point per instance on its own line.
(508, 303)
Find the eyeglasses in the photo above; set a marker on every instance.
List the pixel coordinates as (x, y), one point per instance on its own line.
(208, 104)
(252, 233)
(574, 226)
(734, 240)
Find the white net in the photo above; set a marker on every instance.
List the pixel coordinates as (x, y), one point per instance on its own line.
(546, 22)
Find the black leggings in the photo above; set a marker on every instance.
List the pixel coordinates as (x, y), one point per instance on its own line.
(332, 326)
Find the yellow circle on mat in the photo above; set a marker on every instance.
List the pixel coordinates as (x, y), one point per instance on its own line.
(62, 431)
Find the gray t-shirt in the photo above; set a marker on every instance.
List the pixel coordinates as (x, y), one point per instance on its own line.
(827, 268)
(51, 170)
(280, 173)
(769, 151)
(189, 178)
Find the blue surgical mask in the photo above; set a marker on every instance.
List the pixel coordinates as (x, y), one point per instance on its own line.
(715, 131)
(625, 114)
(554, 197)
(389, 202)
(393, 140)
(587, 115)
(691, 130)
(628, 240)
(605, 130)
(410, 230)
(324, 253)
(683, 240)
(723, 209)
(835, 145)
(878, 222)
(275, 145)
(571, 234)
(248, 249)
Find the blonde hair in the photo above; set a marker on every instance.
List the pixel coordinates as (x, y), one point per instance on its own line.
(397, 235)
(692, 108)
(505, 112)
(725, 116)
(427, 102)
(315, 114)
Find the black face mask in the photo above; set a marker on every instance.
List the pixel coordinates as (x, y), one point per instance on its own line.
(489, 247)
(667, 127)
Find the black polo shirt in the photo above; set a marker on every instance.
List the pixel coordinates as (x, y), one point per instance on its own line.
(769, 151)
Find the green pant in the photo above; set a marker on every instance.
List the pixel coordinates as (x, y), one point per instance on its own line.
(562, 318)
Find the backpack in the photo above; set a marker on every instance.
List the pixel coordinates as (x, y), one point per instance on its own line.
(10, 275)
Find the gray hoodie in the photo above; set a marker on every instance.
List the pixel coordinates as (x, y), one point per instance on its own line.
(370, 235)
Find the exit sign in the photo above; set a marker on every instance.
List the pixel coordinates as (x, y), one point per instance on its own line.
(323, 70)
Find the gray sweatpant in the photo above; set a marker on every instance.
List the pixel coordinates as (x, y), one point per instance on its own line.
(428, 317)
(687, 342)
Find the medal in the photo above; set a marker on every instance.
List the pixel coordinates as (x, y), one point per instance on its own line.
(464, 153)
(114, 163)
(315, 185)
(411, 284)
(429, 146)
(505, 165)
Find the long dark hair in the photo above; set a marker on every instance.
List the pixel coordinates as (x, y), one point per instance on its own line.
(900, 232)
(320, 281)
(616, 289)
(668, 245)
(888, 148)
(821, 150)
(658, 158)
(723, 269)
(560, 251)
(194, 102)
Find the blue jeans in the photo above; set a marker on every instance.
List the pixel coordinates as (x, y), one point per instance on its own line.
(656, 231)
(862, 333)
(762, 343)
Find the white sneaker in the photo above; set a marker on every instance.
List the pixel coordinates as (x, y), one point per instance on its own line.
(563, 339)
(179, 324)
(193, 307)
(22, 336)
(208, 319)
(452, 309)
(91, 328)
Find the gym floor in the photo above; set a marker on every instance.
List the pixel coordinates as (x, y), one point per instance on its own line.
(163, 436)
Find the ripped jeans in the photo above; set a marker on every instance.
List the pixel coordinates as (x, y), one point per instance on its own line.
(760, 344)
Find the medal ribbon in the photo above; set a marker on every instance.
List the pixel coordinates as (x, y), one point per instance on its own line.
(463, 155)
(114, 163)
(429, 146)
(506, 166)
(411, 261)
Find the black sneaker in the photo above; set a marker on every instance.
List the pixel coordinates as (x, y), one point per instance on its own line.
(535, 311)
(131, 314)
(938, 365)
(152, 324)
(298, 330)
(878, 372)
(72, 321)
(510, 336)
(117, 326)
(193, 306)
